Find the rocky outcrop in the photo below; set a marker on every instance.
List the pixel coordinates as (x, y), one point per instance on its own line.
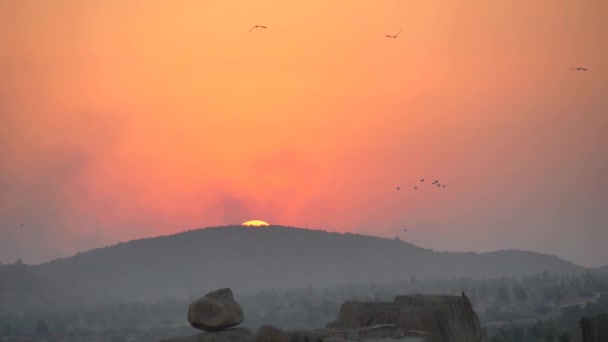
(445, 318)
(592, 329)
(462, 321)
(215, 311)
(241, 334)
(420, 318)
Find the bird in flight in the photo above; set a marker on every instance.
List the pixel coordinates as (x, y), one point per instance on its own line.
(579, 69)
(257, 26)
(415, 188)
(398, 188)
(405, 230)
(422, 180)
(393, 36)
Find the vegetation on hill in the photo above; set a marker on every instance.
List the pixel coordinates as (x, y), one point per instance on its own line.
(508, 307)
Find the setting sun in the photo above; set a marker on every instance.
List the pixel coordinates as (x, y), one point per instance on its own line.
(255, 223)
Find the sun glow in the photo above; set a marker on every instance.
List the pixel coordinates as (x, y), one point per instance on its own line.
(255, 223)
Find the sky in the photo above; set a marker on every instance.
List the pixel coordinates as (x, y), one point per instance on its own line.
(121, 119)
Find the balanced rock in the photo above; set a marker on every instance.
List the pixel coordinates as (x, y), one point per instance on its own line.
(215, 311)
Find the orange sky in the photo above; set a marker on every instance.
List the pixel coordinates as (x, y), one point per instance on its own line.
(121, 120)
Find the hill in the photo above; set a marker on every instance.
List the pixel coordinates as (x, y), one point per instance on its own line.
(600, 270)
(251, 259)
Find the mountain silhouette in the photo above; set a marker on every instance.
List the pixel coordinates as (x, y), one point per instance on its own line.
(250, 259)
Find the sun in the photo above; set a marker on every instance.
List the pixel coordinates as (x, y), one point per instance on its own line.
(255, 223)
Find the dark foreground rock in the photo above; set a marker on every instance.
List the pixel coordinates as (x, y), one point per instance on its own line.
(215, 311)
(592, 329)
(444, 318)
(269, 333)
(241, 334)
(462, 321)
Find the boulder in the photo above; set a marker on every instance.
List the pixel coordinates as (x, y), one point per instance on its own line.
(356, 314)
(462, 321)
(240, 334)
(592, 329)
(444, 318)
(215, 311)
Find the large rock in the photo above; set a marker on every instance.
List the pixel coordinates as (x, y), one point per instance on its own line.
(355, 314)
(215, 311)
(462, 321)
(241, 334)
(444, 318)
(592, 329)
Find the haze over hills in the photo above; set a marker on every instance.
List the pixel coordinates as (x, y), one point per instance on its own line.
(252, 259)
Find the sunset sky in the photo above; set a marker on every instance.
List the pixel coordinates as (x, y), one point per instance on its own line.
(123, 119)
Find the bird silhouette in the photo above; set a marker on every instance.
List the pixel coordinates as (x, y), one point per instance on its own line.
(415, 188)
(422, 180)
(405, 230)
(257, 26)
(443, 185)
(579, 69)
(393, 36)
(398, 188)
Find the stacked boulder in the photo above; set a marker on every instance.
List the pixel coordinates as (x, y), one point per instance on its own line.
(217, 314)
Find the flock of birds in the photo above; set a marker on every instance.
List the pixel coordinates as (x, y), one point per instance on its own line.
(394, 36)
(434, 183)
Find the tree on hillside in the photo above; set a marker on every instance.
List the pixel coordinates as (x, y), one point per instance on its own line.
(502, 296)
(41, 328)
(520, 293)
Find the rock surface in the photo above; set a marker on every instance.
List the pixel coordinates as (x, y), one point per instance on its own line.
(380, 332)
(592, 329)
(215, 311)
(230, 335)
(462, 321)
(445, 318)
